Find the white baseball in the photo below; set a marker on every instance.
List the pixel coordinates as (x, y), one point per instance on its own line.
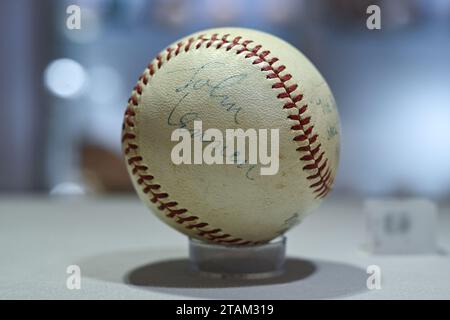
(232, 204)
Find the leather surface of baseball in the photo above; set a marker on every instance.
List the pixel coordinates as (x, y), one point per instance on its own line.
(232, 78)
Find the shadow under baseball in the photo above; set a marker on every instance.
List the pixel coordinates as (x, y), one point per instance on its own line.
(302, 279)
(178, 274)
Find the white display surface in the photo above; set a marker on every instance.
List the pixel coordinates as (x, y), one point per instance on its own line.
(124, 252)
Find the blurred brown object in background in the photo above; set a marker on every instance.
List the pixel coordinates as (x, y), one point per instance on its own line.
(103, 171)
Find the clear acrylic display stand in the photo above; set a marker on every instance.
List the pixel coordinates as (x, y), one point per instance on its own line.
(242, 262)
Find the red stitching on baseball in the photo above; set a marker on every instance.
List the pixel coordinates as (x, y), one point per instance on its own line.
(189, 218)
(198, 225)
(151, 69)
(169, 53)
(159, 61)
(322, 176)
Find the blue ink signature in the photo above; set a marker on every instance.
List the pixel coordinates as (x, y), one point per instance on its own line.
(216, 90)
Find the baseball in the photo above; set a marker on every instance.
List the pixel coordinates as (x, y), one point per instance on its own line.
(189, 105)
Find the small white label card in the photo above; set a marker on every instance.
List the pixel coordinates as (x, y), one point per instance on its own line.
(406, 226)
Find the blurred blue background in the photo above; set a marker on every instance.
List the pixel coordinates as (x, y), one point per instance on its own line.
(63, 92)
